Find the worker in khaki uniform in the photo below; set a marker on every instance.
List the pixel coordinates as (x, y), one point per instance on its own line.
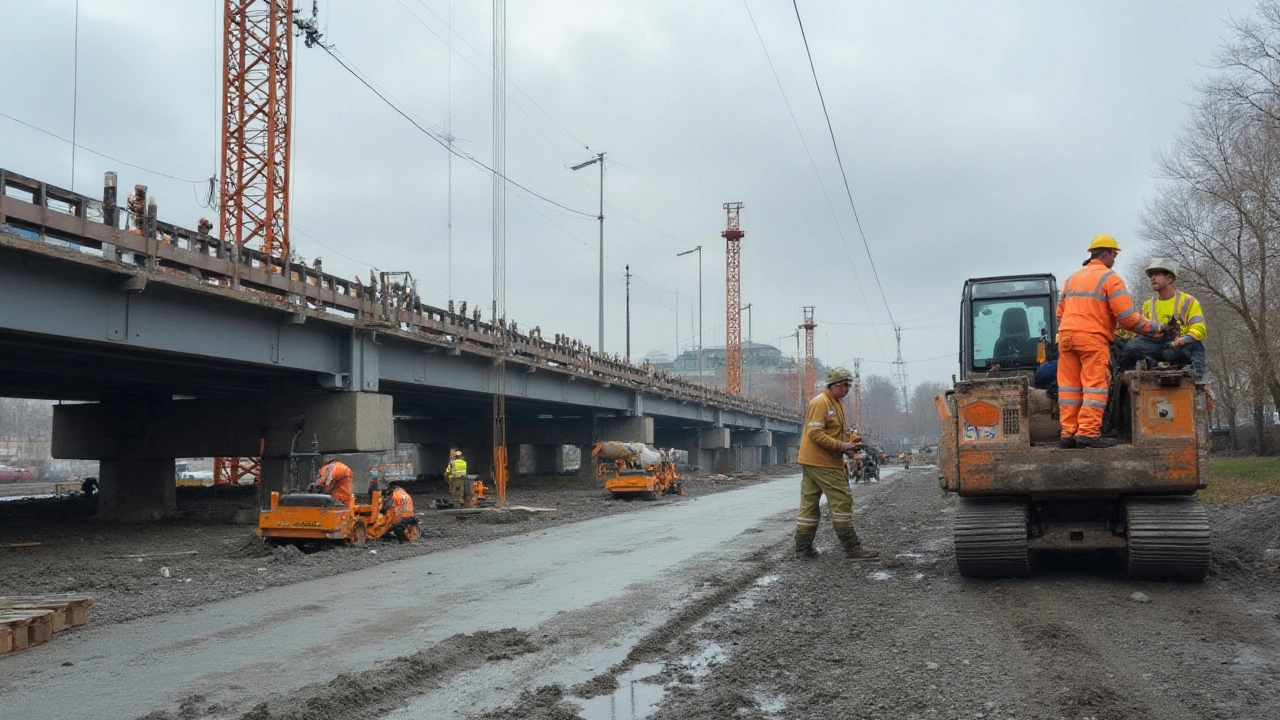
(1094, 300)
(821, 456)
(335, 478)
(456, 473)
(1169, 305)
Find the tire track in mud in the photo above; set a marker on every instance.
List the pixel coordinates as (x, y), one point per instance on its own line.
(910, 638)
(372, 693)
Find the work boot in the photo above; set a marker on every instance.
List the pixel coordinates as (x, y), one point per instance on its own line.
(1096, 442)
(858, 552)
(804, 547)
(1067, 442)
(853, 546)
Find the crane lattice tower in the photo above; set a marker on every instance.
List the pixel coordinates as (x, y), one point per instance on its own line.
(733, 299)
(809, 370)
(256, 89)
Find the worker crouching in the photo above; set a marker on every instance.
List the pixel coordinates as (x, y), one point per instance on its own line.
(822, 459)
(334, 478)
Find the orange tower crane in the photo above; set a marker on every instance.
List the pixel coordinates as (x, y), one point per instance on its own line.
(808, 325)
(733, 301)
(256, 88)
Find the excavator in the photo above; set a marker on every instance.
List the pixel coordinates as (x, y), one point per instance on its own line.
(1020, 493)
(632, 470)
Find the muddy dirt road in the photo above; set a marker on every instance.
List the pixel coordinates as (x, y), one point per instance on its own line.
(554, 592)
(695, 609)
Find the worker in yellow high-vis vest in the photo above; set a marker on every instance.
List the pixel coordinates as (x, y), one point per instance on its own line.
(456, 474)
(1168, 305)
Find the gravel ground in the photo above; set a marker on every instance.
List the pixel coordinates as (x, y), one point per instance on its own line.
(74, 551)
(909, 638)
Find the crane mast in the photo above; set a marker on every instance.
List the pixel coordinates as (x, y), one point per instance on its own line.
(256, 88)
(733, 299)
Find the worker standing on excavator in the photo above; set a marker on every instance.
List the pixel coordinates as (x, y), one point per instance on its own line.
(456, 473)
(1094, 299)
(821, 458)
(335, 478)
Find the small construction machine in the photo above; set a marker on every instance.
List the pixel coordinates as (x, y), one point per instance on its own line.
(632, 470)
(1021, 493)
(313, 520)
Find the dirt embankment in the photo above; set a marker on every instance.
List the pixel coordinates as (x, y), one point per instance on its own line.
(201, 556)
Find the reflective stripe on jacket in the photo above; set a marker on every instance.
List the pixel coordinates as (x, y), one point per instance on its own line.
(1094, 300)
(824, 430)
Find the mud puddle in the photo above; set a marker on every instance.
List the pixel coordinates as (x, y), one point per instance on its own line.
(642, 688)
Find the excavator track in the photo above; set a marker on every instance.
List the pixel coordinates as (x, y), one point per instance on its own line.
(1168, 538)
(990, 537)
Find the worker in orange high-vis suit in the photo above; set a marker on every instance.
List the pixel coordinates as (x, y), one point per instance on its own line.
(1094, 300)
(335, 478)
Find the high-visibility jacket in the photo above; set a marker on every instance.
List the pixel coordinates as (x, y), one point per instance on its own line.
(824, 430)
(1182, 306)
(402, 503)
(335, 479)
(456, 468)
(1094, 299)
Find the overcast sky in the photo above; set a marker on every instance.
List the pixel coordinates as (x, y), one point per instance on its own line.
(979, 139)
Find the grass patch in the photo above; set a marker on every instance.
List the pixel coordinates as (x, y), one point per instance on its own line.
(1233, 479)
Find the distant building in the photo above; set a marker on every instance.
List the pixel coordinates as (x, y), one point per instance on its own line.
(767, 373)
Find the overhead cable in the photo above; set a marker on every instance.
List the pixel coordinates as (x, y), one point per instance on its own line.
(840, 162)
(435, 136)
(103, 155)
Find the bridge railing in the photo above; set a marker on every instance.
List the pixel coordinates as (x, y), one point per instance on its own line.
(133, 242)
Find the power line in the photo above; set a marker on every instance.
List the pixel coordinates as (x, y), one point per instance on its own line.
(840, 162)
(103, 155)
(835, 218)
(434, 136)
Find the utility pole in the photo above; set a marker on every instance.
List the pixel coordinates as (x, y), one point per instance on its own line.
(857, 394)
(628, 313)
(747, 356)
(699, 251)
(499, 368)
(800, 397)
(733, 235)
(599, 159)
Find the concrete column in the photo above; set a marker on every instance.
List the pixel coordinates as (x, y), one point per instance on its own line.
(587, 468)
(134, 491)
(548, 460)
(430, 459)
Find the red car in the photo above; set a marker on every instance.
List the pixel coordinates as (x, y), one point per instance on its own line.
(10, 474)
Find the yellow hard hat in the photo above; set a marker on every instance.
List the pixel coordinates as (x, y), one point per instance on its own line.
(1104, 242)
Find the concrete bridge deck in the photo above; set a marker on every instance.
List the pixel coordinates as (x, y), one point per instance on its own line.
(186, 345)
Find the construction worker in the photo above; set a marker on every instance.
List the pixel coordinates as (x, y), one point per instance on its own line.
(1094, 300)
(401, 503)
(821, 457)
(335, 478)
(456, 473)
(1167, 306)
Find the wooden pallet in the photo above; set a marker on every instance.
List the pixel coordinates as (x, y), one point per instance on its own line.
(27, 620)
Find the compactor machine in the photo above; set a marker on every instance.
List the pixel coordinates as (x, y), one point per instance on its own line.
(313, 520)
(636, 470)
(1021, 493)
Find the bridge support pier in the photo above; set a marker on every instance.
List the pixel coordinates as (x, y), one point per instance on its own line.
(431, 459)
(548, 460)
(136, 441)
(135, 491)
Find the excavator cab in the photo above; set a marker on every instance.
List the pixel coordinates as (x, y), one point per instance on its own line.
(1007, 325)
(1021, 494)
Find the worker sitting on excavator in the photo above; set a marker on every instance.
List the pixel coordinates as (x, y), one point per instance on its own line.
(456, 473)
(334, 478)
